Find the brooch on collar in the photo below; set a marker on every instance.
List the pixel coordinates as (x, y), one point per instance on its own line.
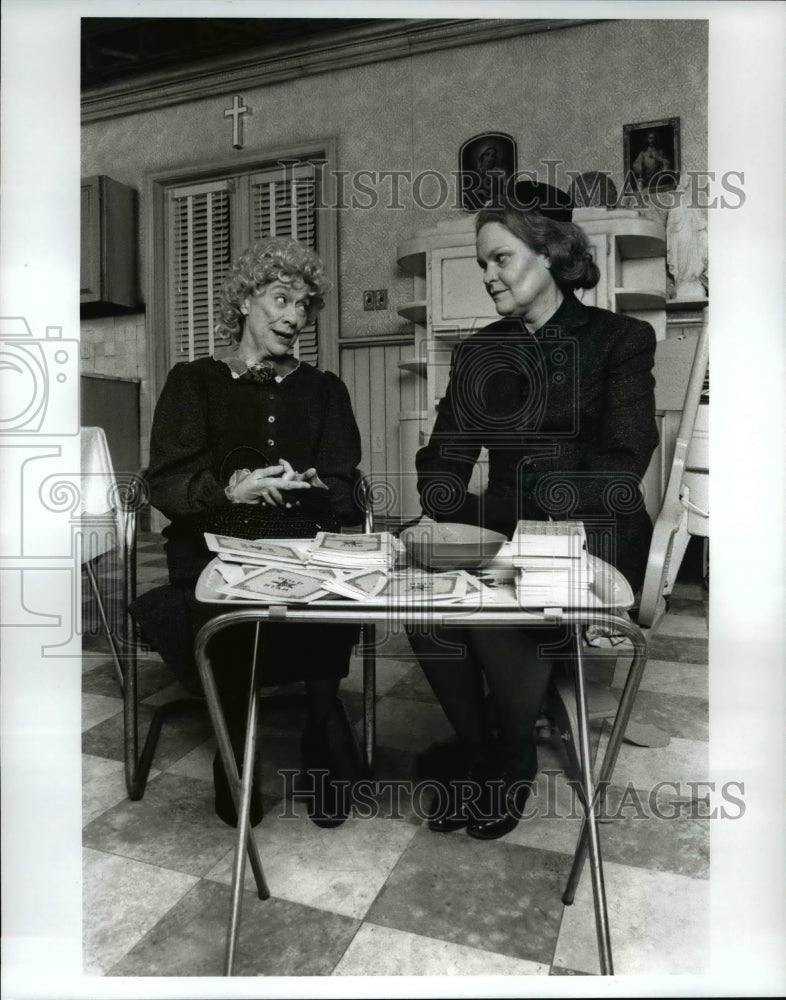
(262, 372)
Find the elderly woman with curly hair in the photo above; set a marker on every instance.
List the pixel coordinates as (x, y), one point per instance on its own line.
(255, 443)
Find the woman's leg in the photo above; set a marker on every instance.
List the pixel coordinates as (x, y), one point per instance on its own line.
(447, 658)
(319, 655)
(517, 665)
(518, 676)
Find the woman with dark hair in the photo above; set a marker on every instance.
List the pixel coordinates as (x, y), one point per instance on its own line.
(254, 443)
(561, 395)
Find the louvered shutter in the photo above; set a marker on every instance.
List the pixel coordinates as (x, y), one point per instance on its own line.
(199, 256)
(283, 203)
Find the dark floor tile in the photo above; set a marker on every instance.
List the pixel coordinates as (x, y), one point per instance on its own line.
(388, 792)
(496, 896)
(392, 641)
(174, 826)
(286, 709)
(647, 832)
(685, 606)
(152, 676)
(277, 938)
(677, 650)
(179, 735)
(413, 685)
(151, 561)
(679, 716)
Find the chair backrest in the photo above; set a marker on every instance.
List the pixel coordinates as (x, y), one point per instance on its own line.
(363, 495)
(101, 523)
(109, 511)
(670, 535)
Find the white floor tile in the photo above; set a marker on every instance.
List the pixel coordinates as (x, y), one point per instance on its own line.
(683, 626)
(680, 762)
(103, 786)
(122, 901)
(97, 708)
(341, 870)
(383, 951)
(691, 680)
(659, 924)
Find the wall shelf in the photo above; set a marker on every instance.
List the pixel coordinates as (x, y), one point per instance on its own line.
(416, 365)
(639, 298)
(414, 312)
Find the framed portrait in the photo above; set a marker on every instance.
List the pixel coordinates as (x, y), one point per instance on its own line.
(486, 161)
(652, 154)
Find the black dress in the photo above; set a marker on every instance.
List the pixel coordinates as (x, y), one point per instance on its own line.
(567, 414)
(208, 422)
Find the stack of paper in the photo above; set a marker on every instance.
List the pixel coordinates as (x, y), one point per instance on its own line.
(372, 551)
(552, 564)
(258, 552)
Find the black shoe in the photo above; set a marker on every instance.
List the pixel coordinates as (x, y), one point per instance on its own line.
(468, 796)
(508, 797)
(327, 795)
(454, 816)
(225, 806)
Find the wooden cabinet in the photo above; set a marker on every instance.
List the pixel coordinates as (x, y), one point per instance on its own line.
(108, 256)
(450, 302)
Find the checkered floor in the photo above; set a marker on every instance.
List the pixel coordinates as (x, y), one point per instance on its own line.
(384, 895)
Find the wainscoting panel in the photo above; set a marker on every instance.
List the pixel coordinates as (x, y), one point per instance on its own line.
(380, 390)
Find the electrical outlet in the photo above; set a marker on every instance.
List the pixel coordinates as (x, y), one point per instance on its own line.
(381, 298)
(369, 299)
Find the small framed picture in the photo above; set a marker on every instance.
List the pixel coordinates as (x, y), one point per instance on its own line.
(652, 154)
(485, 163)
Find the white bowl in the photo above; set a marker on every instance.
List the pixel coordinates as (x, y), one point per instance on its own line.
(446, 546)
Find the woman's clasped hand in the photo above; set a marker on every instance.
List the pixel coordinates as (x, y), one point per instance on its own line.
(275, 485)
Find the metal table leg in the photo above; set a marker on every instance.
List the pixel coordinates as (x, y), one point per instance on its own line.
(629, 692)
(369, 697)
(591, 820)
(244, 834)
(241, 791)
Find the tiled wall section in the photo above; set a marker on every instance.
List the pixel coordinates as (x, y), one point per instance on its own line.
(116, 346)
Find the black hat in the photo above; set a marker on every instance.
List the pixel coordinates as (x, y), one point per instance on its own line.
(529, 196)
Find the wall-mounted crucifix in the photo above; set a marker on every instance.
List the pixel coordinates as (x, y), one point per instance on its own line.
(235, 112)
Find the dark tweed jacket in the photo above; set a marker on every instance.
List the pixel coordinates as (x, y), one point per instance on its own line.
(567, 414)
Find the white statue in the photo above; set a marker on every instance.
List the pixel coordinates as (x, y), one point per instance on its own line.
(686, 244)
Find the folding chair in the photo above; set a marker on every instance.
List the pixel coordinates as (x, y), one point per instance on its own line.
(110, 512)
(681, 516)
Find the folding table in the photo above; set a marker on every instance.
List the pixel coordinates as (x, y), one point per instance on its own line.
(606, 607)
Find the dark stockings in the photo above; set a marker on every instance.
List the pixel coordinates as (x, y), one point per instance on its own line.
(456, 661)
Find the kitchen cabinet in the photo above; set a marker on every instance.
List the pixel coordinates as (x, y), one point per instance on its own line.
(108, 246)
